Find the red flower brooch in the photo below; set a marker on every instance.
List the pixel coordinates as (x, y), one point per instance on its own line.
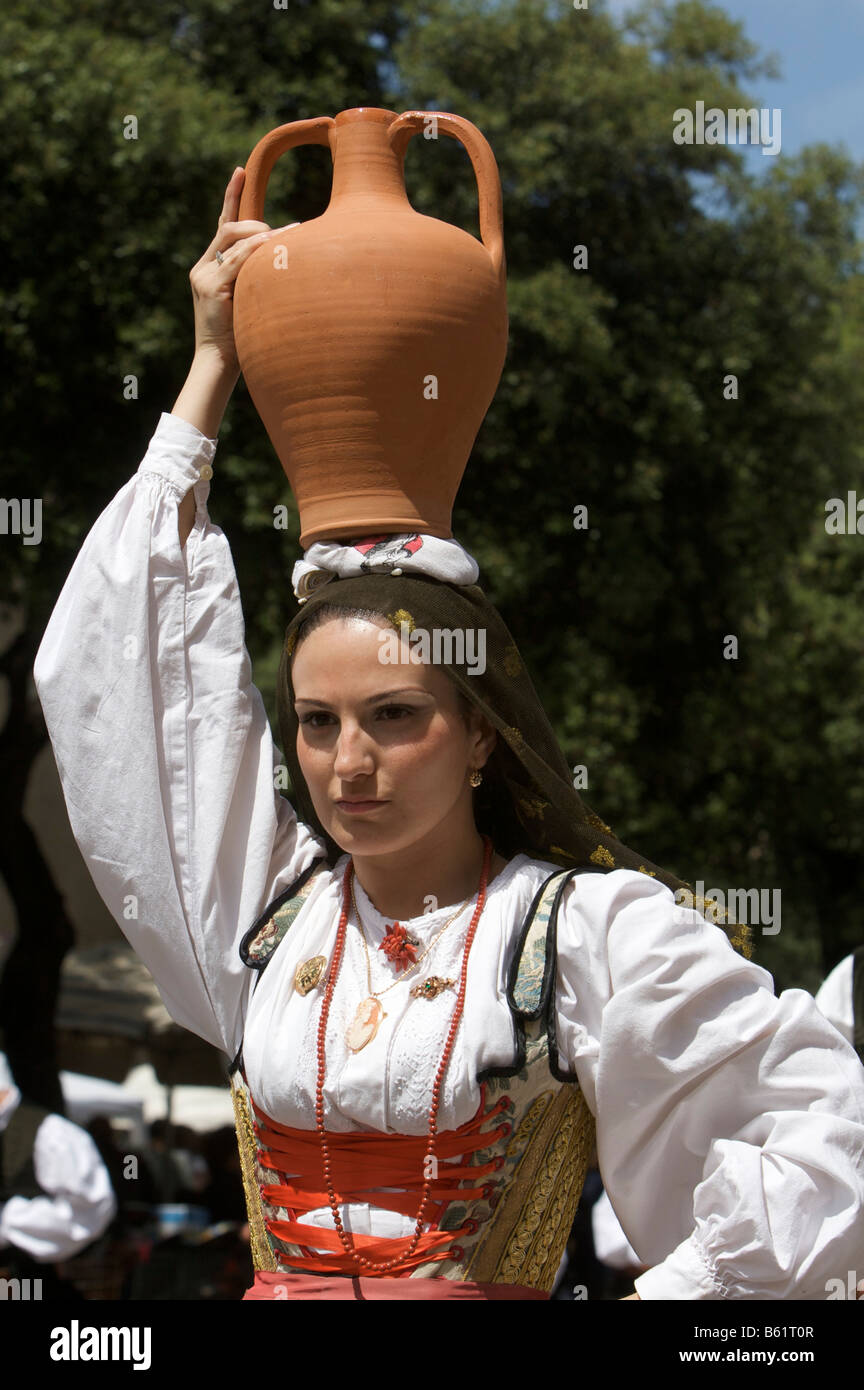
(399, 947)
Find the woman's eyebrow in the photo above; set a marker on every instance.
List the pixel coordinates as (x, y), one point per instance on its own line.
(383, 695)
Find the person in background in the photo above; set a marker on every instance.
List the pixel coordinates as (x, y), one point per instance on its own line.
(188, 1154)
(223, 1195)
(178, 1173)
(56, 1196)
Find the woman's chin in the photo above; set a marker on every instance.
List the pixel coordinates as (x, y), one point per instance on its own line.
(355, 834)
(350, 829)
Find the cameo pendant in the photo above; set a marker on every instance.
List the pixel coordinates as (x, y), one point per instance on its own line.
(365, 1024)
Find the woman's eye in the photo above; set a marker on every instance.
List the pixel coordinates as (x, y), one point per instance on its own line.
(396, 710)
(318, 719)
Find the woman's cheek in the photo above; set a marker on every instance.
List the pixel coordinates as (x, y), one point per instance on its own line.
(435, 762)
(314, 768)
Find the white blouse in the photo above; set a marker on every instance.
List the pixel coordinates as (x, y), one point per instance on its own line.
(834, 997)
(78, 1202)
(730, 1123)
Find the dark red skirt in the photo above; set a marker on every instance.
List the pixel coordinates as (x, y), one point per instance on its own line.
(272, 1285)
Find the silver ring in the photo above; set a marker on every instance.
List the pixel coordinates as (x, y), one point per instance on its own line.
(220, 258)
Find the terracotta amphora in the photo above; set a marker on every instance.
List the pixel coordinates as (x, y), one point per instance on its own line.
(372, 338)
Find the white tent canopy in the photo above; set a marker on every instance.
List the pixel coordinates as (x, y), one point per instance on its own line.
(199, 1107)
(110, 1017)
(86, 1097)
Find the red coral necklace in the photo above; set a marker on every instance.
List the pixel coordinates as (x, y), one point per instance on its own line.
(362, 1260)
(399, 947)
(369, 1012)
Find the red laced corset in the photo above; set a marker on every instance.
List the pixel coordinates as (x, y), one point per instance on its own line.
(362, 1163)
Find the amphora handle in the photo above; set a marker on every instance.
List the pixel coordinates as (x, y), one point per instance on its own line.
(479, 150)
(260, 163)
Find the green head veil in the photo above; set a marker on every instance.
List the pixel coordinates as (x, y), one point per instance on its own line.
(526, 802)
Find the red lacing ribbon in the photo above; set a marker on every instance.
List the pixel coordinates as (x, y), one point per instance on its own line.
(363, 1163)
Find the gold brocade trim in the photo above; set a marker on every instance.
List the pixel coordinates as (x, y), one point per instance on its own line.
(602, 856)
(400, 616)
(512, 661)
(528, 1232)
(738, 932)
(262, 1253)
(514, 735)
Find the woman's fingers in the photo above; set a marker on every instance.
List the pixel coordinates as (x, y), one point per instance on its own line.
(226, 271)
(239, 244)
(243, 249)
(231, 232)
(240, 252)
(231, 202)
(228, 234)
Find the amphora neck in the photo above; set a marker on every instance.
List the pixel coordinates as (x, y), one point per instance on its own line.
(364, 165)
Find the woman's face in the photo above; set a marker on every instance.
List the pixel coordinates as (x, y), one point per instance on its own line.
(384, 748)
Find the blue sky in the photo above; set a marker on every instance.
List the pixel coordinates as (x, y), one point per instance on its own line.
(820, 45)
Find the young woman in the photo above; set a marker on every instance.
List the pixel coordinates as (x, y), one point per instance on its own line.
(434, 981)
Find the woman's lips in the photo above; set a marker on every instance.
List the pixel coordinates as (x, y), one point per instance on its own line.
(353, 808)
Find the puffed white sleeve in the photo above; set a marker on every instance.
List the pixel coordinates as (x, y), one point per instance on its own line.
(162, 741)
(730, 1121)
(611, 1246)
(834, 998)
(81, 1203)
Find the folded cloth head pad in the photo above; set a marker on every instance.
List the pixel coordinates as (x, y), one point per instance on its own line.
(406, 554)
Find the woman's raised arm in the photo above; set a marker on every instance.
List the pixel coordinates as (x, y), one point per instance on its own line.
(161, 739)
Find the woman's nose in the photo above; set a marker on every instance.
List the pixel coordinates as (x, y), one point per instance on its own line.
(353, 754)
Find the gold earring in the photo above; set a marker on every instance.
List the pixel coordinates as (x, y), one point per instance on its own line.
(476, 777)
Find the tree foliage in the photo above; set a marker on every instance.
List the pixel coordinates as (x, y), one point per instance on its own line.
(706, 514)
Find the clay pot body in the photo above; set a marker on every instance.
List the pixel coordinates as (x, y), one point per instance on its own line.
(372, 338)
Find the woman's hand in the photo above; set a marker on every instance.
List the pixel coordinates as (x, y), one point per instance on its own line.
(215, 369)
(213, 282)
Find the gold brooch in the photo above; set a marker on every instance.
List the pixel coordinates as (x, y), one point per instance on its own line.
(431, 988)
(309, 973)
